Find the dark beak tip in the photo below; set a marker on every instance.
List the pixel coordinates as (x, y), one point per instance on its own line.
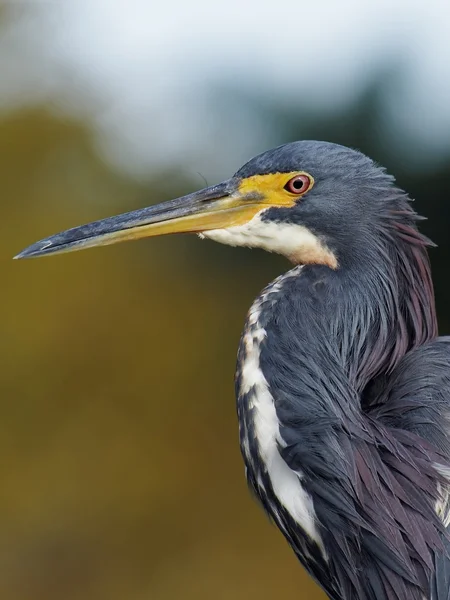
(37, 249)
(23, 254)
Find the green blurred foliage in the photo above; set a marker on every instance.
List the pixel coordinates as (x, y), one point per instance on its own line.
(120, 470)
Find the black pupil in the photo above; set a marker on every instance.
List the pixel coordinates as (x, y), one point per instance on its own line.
(298, 184)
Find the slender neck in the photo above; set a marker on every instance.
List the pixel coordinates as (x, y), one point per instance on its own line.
(355, 323)
(393, 307)
(313, 341)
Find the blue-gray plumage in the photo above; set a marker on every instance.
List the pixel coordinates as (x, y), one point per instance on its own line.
(343, 387)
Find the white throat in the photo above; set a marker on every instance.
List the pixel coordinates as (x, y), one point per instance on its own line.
(296, 242)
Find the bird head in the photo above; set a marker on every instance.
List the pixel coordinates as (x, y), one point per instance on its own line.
(306, 200)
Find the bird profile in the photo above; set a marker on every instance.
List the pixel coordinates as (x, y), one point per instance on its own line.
(342, 383)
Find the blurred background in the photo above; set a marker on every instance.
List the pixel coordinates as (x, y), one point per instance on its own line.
(120, 472)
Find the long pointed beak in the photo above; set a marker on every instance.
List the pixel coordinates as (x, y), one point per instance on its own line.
(214, 207)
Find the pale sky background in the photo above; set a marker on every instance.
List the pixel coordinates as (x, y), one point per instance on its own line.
(142, 71)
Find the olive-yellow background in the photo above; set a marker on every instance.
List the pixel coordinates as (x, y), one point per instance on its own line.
(120, 472)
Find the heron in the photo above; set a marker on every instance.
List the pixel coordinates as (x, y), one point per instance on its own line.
(342, 383)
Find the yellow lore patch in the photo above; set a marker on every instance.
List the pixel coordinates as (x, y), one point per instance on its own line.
(272, 188)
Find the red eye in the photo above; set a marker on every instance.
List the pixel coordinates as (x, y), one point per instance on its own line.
(298, 184)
